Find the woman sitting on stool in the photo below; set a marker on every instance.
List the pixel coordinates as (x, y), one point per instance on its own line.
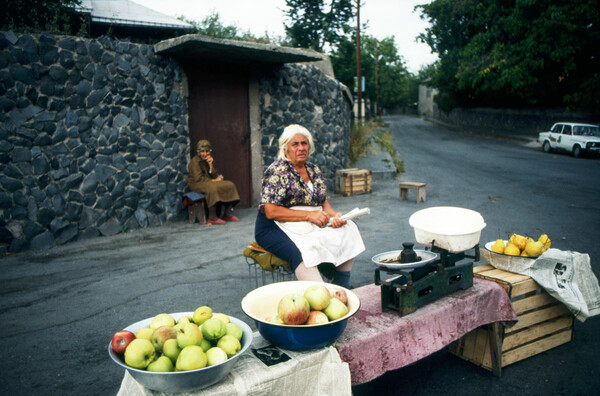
(293, 214)
(204, 178)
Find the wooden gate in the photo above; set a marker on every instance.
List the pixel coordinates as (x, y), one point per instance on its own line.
(218, 111)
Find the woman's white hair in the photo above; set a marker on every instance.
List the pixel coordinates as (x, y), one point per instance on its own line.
(288, 134)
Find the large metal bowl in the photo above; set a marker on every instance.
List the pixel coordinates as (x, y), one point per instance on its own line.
(183, 381)
(262, 303)
(451, 228)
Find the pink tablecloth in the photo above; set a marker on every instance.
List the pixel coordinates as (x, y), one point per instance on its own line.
(376, 342)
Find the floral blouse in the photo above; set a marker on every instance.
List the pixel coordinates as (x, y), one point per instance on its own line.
(282, 185)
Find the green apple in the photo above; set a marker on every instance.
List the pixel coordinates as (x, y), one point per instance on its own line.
(213, 329)
(275, 319)
(181, 321)
(192, 357)
(145, 333)
(205, 344)
(189, 334)
(162, 319)
(224, 318)
(215, 355)
(336, 309)
(184, 319)
(202, 314)
(234, 330)
(160, 335)
(230, 345)
(171, 349)
(139, 353)
(161, 365)
(318, 297)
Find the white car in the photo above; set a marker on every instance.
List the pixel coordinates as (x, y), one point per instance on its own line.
(572, 137)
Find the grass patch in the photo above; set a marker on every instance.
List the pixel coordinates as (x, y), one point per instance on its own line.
(365, 133)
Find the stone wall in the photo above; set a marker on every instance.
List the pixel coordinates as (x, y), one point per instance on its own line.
(302, 94)
(511, 121)
(93, 139)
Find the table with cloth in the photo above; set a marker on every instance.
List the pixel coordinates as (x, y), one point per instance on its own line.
(373, 343)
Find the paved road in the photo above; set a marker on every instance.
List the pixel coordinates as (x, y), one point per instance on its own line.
(60, 307)
(517, 188)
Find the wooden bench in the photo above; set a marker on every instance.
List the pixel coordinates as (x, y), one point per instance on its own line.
(419, 187)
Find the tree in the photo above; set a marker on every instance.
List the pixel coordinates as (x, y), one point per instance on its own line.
(54, 16)
(393, 86)
(212, 26)
(515, 53)
(310, 25)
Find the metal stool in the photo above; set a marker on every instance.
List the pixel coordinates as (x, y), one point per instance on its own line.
(277, 275)
(276, 266)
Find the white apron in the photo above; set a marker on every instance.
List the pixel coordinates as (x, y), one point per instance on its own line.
(323, 245)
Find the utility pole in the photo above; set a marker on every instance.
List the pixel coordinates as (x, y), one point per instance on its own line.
(358, 71)
(376, 80)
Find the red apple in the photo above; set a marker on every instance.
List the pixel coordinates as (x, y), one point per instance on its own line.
(121, 339)
(341, 295)
(293, 309)
(316, 317)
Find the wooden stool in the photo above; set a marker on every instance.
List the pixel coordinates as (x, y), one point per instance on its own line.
(196, 205)
(405, 186)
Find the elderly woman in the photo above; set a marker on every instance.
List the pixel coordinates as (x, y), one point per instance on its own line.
(295, 222)
(204, 178)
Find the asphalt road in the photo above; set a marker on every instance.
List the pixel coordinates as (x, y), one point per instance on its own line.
(60, 307)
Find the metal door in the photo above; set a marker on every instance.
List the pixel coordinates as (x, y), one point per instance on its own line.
(218, 111)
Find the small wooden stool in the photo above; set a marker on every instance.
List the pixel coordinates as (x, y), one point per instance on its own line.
(405, 186)
(196, 205)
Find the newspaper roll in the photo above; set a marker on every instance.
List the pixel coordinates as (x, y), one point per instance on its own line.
(353, 214)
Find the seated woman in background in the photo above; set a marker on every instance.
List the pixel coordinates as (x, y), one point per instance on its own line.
(293, 214)
(204, 178)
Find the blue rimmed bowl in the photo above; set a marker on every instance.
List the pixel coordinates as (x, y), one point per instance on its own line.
(262, 303)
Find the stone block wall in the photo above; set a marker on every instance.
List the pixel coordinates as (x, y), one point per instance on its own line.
(526, 122)
(93, 138)
(303, 94)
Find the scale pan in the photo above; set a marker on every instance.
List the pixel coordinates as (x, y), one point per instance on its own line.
(426, 258)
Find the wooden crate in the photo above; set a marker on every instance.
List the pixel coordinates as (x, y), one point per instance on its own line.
(352, 181)
(543, 323)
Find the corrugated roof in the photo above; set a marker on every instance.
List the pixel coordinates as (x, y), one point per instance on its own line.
(125, 12)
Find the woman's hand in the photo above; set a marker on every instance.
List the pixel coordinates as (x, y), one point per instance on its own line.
(318, 217)
(336, 221)
(209, 160)
(218, 178)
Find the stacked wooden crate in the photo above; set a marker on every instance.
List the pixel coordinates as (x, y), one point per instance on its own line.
(543, 323)
(352, 181)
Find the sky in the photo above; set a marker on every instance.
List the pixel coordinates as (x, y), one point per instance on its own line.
(385, 18)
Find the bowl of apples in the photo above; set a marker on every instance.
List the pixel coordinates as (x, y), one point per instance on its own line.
(300, 315)
(180, 352)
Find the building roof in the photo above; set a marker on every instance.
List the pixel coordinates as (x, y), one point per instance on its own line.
(196, 46)
(128, 13)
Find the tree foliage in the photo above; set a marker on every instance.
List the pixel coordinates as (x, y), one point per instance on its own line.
(316, 23)
(213, 26)
(54, 16)
(387, 81)
(508, 53)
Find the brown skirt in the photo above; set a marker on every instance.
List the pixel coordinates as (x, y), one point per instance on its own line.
(223, 191)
